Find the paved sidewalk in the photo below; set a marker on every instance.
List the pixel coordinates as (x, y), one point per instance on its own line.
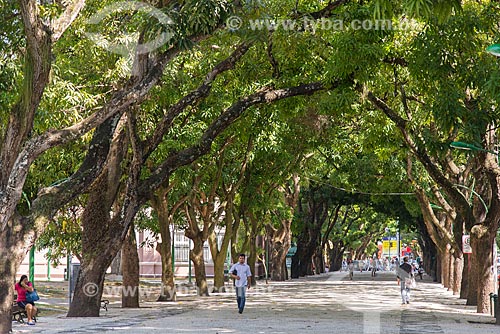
(328, 303)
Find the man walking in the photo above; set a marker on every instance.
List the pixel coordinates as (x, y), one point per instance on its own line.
(405, 275)
(241, 273)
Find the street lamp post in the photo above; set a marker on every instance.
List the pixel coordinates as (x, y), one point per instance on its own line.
(173, 248)
(190, 273)
(398, 240)
(32, 265)
(389, 237)
(388, 232)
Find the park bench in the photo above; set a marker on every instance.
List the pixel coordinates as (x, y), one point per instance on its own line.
(19, 314)
(104, 304)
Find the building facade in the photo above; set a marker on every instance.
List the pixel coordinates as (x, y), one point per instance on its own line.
(149, 259)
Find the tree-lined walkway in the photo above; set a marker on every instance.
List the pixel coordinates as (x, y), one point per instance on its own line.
(318, 304)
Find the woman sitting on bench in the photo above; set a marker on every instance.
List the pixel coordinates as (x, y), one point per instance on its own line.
(22, 287)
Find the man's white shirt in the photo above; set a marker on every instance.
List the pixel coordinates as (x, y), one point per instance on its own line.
(243, 271)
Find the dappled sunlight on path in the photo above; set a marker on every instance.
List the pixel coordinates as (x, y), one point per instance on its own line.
(317, 304)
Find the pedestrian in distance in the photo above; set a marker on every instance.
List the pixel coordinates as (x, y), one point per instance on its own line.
(22, 287)
(416, 271)
(405, 277)
(374, 264)
(350, 267)
(240, 271)
(420, 271)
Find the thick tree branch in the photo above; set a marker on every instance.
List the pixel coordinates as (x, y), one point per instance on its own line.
(62, 23)
(327, 11)
(439, 234)
(443, 202)
(272, 59)
(52, 198)
(190, 154)
(201, 92)
(331, 223)
(396, 61)
(35, 30)
(131, 95)
(243, 167)
(459, 201)
(130, 204)
(37, 64)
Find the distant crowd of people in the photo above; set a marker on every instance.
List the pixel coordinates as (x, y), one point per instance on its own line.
(406, 272)
(376, 264)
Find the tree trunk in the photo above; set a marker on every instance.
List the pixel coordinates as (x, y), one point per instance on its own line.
(314, 207)
(219, 255)
(319, 263)
(434, 267)
(298, 258)
(306, 246)
(279, 244)
(234, 246)
(252, 256)
(336, 254)
(464, 289)
(6, 299)
(301, 261)
(86, 300)
(168, 292)
(98, 251)
(295, 270)
(482, 240)
(451, 272)
(444, 273)
(164, 247)
(196, 255)
(101, 237)
(285, 270)
(445, 268)
(116, 265)
(472, 278)
(438, 267)
(277, 266)
(306, 265)
(219, 262)
(458, 270)
(130, 268)
(429, 249)
(336, 262)
(11, 256)
(280, 239)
